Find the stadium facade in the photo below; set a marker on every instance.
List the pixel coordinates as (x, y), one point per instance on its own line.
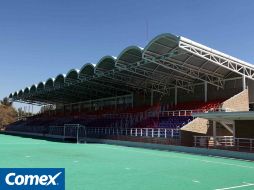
(173, 91)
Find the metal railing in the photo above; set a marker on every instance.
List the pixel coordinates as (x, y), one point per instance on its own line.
(190, 112)
(207, 141)
(244, 144)
(137, 132)
(241, 144)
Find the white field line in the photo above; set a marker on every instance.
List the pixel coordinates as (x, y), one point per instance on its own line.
(21, 143)
(236, 187)
(170, 156)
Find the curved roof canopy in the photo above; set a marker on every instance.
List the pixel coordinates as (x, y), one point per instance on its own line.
(26, 91)
(41, 86)
(49, 83)
(166, 62)
(20, 93)
(161, 44)
(15, 95)
(72, 75)
(106, 63)
(129, 55)
(86, 70)
(59, 81)
(33, 89)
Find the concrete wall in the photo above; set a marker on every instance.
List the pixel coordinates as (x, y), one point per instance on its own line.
(187, 138)
(192, 150)
(239, 102)
(198, 125)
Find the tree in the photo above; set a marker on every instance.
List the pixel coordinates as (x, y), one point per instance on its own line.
(6, 102)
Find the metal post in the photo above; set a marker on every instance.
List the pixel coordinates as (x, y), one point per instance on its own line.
(151, 98)
(205, 91)
(244, 82)
(234, 131)
(64, 132)
(77, 133)
(214, 132)
(175, 95)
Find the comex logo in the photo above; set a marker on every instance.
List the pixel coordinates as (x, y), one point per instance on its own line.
(32, 178)
(12, 179)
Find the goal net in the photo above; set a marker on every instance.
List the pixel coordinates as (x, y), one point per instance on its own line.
(75, 131)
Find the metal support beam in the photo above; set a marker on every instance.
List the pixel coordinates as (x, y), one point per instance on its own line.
(175, 95)
(220, 60)
(205, 88)
(227, 127)
(234, 129)
(214, 132)
(244, 82)
(152, 97)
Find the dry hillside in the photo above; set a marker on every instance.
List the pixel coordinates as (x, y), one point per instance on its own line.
(7, 115)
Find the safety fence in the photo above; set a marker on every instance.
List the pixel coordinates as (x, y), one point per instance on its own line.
(73, 130)
(190, 112)
(228, 142)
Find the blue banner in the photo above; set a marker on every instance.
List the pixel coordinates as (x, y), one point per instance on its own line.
(32, 178)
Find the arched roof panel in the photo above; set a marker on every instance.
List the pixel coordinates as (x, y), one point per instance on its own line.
(106, 63)
(41, 86)
(49, 83)
(130, 54)
(72, 74)
(161, 44)
(20, 93)
(87, 70)
(15, 95)
(27, 90)
(33, 88)
(60, 80)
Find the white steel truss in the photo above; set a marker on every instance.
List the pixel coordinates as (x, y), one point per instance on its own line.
(222, 61)
(167, 62)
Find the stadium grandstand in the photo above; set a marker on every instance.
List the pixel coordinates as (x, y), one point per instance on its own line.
(174, 91)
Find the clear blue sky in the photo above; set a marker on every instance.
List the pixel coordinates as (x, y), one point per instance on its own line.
(42, 38)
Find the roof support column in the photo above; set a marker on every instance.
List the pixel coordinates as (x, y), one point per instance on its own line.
(151, 98)
(175, 95)
(205, 85)
(116, 103)
(234, 130)
(132, 95)
(214, 133)
(244, 82)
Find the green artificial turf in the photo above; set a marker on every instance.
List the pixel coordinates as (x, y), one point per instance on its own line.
(109, 167)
